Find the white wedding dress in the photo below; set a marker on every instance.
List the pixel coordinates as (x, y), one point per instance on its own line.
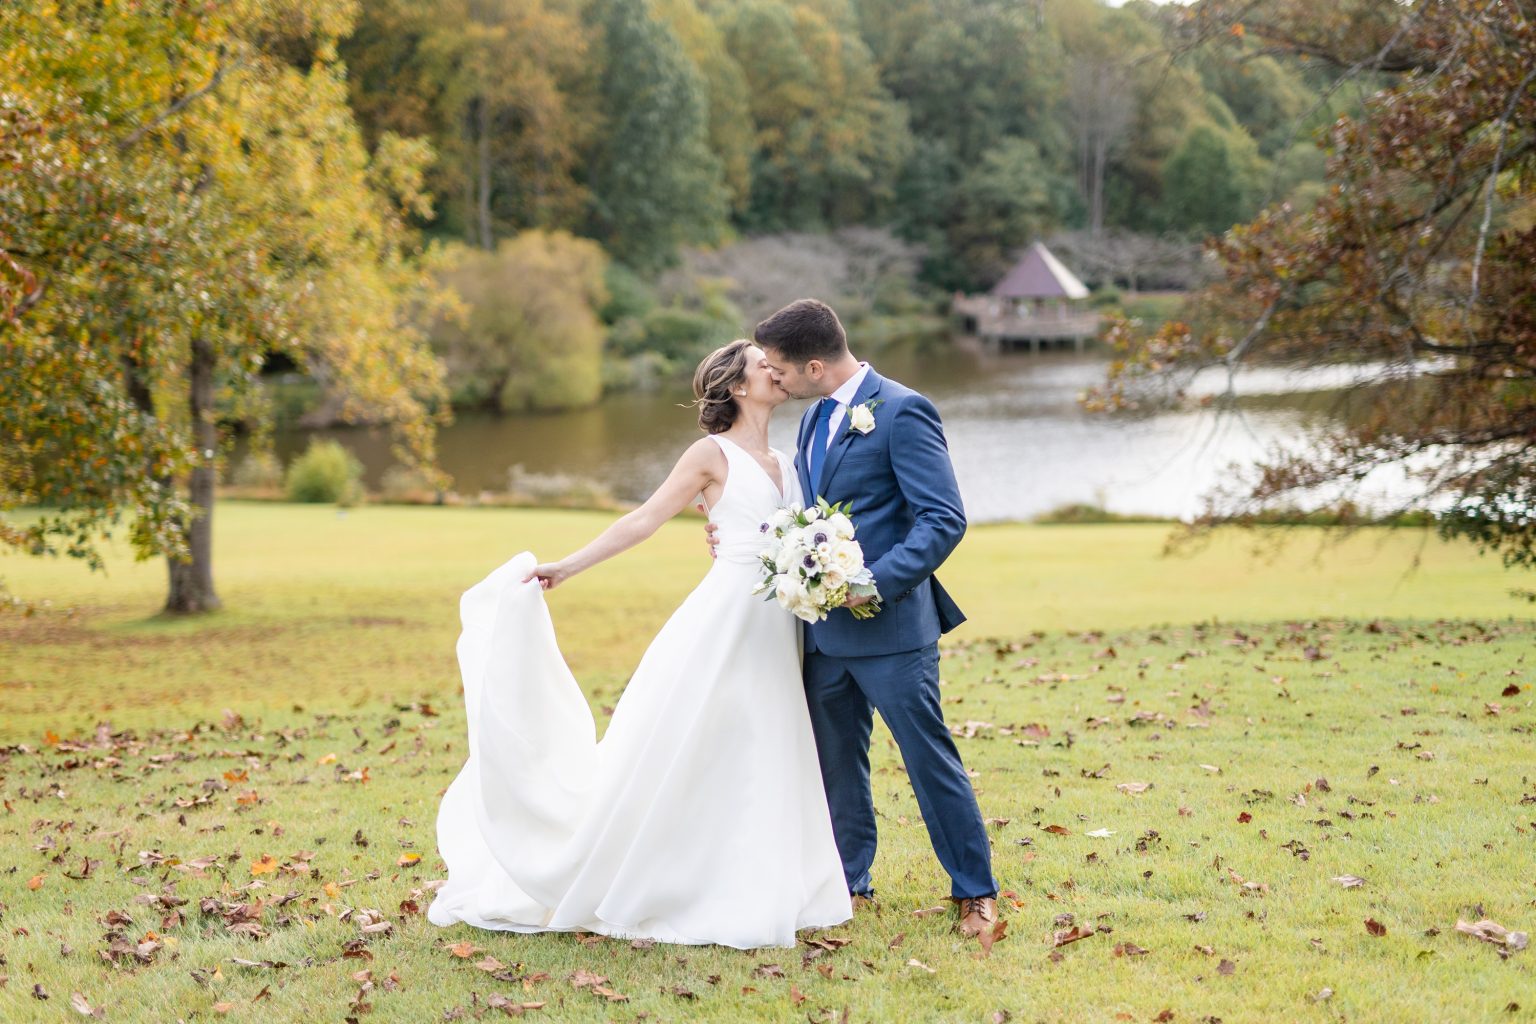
(699, 818)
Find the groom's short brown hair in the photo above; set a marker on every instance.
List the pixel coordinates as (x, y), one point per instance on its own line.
(805, 329)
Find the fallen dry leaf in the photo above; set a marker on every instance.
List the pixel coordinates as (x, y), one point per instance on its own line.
(265, 866)
(82, 1006)
(1349, 881)
(1070, 935)
(1375, 927)
(510, 1008)
(464, 950)
(914, 962)
(583, 978)
(1133, 787)
(35, 882)
(927, 911)
(1056, 830)
(988, 937)
(1497, 934)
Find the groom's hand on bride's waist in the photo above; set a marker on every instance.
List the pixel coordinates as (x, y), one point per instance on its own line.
(710, 531)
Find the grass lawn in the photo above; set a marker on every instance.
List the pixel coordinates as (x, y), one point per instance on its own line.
(217, 819)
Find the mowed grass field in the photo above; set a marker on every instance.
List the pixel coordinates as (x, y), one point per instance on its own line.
(232, 818)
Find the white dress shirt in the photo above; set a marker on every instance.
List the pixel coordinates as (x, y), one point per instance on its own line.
(843, 396)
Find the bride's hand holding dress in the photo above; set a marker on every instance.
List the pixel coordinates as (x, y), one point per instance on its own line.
(702, 469)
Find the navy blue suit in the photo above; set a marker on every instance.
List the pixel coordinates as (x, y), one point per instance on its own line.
(906, 508)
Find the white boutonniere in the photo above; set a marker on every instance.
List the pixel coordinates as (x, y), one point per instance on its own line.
(862, 417)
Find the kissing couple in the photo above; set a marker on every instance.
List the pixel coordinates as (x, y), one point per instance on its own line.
(729, 801)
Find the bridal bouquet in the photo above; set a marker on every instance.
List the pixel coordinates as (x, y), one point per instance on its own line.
(812, 563)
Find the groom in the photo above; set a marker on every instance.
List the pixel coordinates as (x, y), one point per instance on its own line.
(880, 446)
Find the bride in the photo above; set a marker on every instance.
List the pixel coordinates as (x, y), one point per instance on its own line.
(700, 816)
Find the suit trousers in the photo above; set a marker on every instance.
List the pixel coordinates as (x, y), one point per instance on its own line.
(843, 693)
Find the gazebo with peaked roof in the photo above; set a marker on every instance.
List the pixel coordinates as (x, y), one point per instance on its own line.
(1036, 304)
(1039, 275)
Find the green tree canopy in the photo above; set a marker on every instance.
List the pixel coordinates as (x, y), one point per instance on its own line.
(655, 183)
(1212, 180)
(830, 139)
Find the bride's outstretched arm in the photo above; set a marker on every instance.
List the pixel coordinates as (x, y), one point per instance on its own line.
(702, 463)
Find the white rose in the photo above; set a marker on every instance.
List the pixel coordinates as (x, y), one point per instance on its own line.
(786, 558)
(834, 577)
(841, 526)
(807, 611)
(790, 590)
(861, 418)
(848, 556)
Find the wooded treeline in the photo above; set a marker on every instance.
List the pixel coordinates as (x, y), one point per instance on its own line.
(516, 203)
(969, 126)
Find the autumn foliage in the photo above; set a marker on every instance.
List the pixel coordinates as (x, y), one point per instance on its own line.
(1417, 259)
(184, 194)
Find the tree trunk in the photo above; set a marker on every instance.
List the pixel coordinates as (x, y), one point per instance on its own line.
(1096, 192)
(191, 582)
(483, 146)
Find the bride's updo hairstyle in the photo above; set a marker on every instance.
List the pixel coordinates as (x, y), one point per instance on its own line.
(714, 385)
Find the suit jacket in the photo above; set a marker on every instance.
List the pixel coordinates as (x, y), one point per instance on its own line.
(907, 512)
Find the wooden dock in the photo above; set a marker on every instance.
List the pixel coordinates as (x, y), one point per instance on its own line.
(1005, 326)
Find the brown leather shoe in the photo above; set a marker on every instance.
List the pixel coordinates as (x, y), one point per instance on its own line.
(977, 914)
(864, 903)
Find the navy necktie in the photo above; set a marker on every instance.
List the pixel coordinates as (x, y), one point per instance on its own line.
(818, 451)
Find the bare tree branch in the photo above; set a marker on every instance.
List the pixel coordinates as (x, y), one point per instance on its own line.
(178, 106)
(1493, 177)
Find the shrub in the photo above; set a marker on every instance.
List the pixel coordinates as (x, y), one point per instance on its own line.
(532, 339)
(1106, 296)
(258, 470)
(628, 295)
(326, 472)
(408, 484)
(1083, 512)
(557, 489)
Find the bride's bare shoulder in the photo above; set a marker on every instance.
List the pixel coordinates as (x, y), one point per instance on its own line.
(705, 454)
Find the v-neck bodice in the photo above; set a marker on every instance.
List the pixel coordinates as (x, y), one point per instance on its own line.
(748, 498)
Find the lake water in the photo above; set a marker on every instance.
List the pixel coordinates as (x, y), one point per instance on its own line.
(1021, 444)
